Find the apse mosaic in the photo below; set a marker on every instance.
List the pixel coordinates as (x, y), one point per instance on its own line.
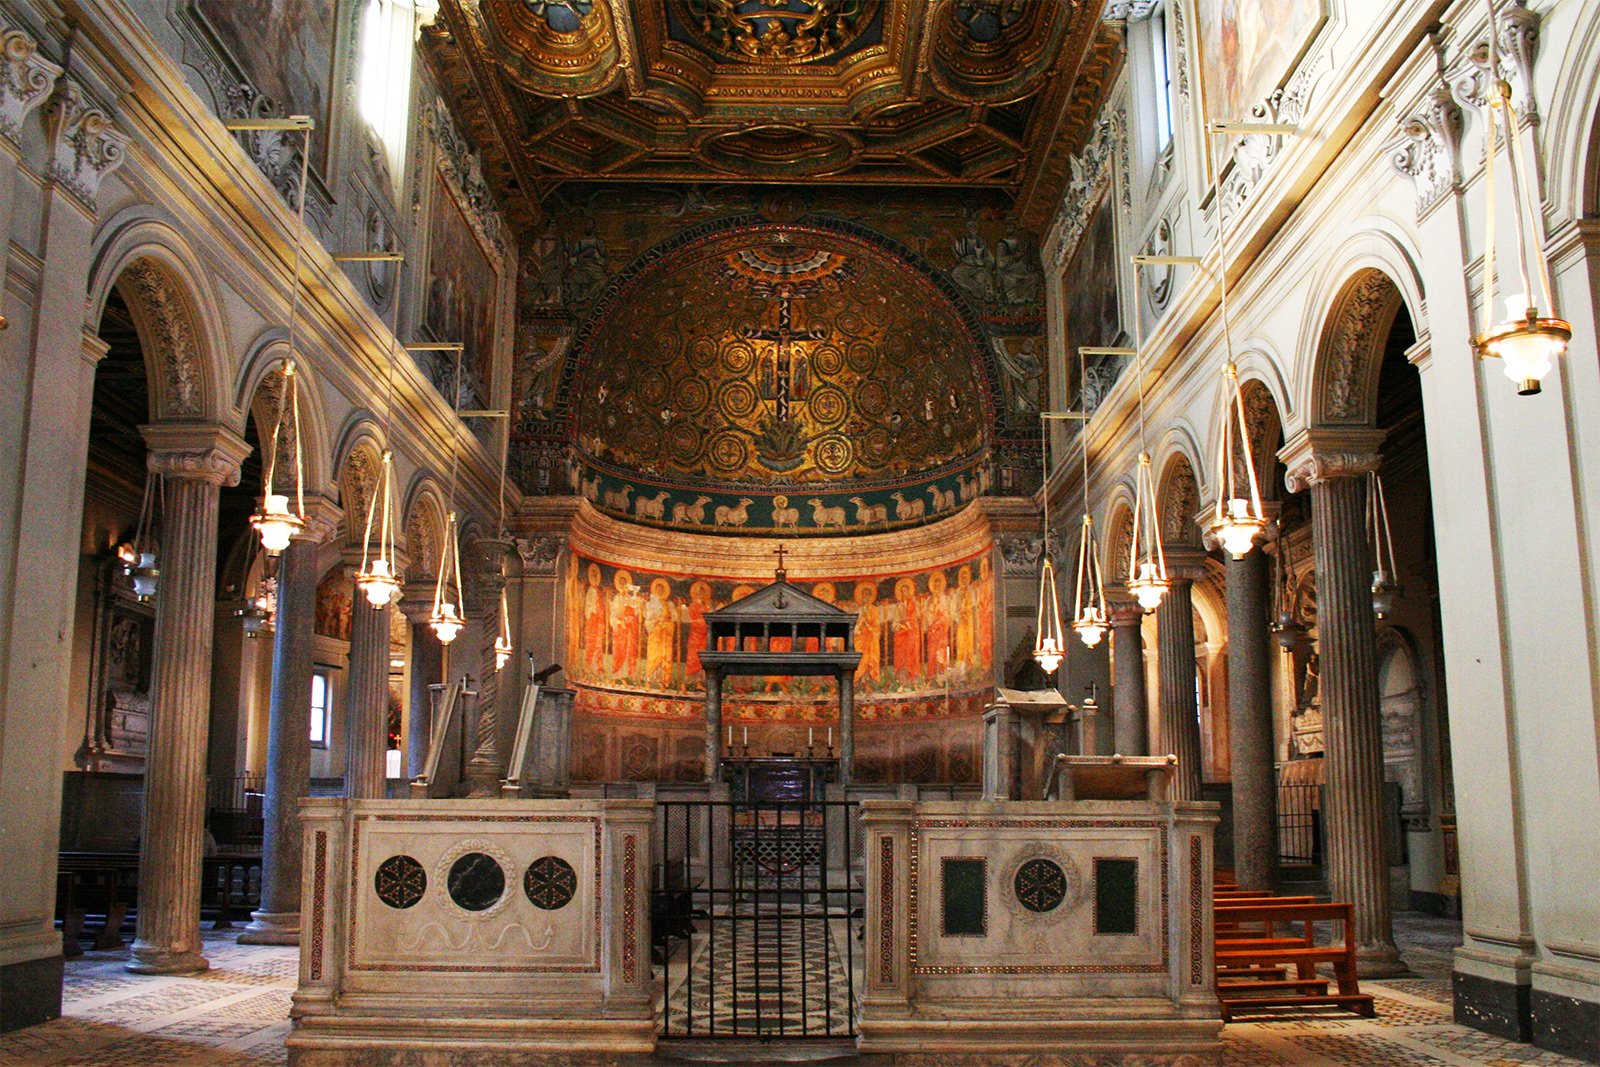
(921, 636)
(791, 357)
(805, 355)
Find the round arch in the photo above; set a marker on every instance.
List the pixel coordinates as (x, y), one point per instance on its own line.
(1178, 489)
(359, 456)
(260, 375)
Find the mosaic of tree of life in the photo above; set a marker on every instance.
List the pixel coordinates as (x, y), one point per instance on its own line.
(927, 633)
(772, 357)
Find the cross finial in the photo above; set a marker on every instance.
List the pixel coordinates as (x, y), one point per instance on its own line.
(782, 574)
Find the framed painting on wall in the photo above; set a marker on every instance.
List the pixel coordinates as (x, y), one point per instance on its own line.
(286, 52)
(1094, 317)
(1249, 49)
(463, 295)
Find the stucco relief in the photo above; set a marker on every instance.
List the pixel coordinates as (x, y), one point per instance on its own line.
(167, 332)
(1090, 169)
(1428, 149)
(85, 145)
(1355, 344)
(26, 78)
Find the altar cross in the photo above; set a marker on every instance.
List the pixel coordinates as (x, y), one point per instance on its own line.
(781, 390)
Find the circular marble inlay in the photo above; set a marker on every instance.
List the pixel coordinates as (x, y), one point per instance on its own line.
(1041, 885)
(550, 882)
(400, 881)
(476, 881)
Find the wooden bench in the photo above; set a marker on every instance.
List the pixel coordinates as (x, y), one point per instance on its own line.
(1265, 952)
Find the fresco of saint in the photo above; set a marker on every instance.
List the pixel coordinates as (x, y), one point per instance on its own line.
(907, 623)
(626, 625)
(939, 631)
(661, 634)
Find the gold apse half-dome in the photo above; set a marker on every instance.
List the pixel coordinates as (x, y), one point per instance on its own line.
(782, 359)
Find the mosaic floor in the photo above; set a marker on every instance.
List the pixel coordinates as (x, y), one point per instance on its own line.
(236, 1014)
(799, 965)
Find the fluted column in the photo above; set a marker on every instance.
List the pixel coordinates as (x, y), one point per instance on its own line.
(1180, 714)
(427, 669)
(277, 920)
(195, 462)
(366, 700)
(1358, 866)
(1255, 787)
(1130, 710)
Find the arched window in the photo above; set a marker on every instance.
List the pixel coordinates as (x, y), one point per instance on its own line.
(384, 70)
(1160, 75)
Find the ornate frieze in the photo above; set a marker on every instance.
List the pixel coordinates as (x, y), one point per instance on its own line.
(154, 300)
(85, 145)
(1518, 43)
(1428, 150)
(1180, 60)
(462, 168)
(1090, 170)
(1254, 153)
(1129, 10)
(26, 78)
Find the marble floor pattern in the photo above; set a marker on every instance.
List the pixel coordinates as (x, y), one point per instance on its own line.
(236, 1015)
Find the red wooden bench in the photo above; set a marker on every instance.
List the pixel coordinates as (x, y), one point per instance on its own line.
(1264, 951)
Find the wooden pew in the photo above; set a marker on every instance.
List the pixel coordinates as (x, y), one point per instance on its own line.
(1300, 952)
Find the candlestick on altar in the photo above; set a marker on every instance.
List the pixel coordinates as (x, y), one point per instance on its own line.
(746, 736)
(830, 739)
(730, 735)
(811, 736)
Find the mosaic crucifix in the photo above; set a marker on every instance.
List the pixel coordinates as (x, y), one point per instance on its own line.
(785, 367)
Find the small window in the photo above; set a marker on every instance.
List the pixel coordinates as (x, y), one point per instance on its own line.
(1161, 77)
(383, 92)
(320, 692)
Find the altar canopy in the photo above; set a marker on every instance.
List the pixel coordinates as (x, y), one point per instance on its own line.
(779, 631)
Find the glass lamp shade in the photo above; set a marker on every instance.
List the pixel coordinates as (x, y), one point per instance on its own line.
(1090, 626)
(379, 583)
(254, 616)
(1237, 528)
(276, 523)
(1384, 591)
(144, 574)
(446, 622)
(1049, 655)
(1528, 344)
(1149, 588)
(502, 652)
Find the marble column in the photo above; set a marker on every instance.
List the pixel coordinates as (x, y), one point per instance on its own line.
(1180, 714)
(1358, 864)
(713, 723)
(277, 920)
(1130, 710)
(427, 670)
(847, 728)
(367, 701)
(1255, 785)
(195, 461)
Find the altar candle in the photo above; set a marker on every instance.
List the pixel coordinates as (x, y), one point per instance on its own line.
(745, 735)
(811, 736)
(730, 735)
(830, 739)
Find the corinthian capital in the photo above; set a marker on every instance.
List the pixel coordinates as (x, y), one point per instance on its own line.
(84, 144)
(196, 452)
(1323, 455)
(26, 79)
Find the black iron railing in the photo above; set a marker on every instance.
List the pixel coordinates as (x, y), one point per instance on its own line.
(755, 913)
(1300, 823)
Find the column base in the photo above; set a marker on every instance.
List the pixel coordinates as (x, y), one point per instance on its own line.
(151, 959)
(1495, 1007)
(484, 778)
(1380, 961)
(30, 992)
(271, 928)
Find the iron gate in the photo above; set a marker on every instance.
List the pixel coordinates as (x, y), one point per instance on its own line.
(755, 913)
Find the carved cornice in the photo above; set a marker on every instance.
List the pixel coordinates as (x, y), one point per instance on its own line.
(1470, 81)
(1253, 153)
(195, 452)
(85, 145)
(1428, 150)
(26, 78)
(1322, 455)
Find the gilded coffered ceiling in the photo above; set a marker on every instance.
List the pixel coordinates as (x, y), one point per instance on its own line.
(962, 93)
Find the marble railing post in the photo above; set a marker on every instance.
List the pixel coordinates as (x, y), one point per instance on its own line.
(1255, 786)
(366, 700)
(1358, 864)
(847, 726)
(277, 920)
(1180, 714)
(713, 723)
(1130, 709)
(427, 669)
(195, 461)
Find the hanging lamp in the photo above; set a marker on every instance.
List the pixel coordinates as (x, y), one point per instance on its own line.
(139, 557)
(275, 522)
(1147, 562)
(1385, 583)
(502, 642)
(1527, 340)
(1049, 643)
(258, 608)
(446, 618)
(1089, 615)
(1239, 516)
(379, 577)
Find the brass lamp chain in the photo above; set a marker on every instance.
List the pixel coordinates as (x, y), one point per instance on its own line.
(385, 485)
(1088, 555)
(1146, 518)
(1227, 473)
(450, 557)
(289, 401)
(1378, 527)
